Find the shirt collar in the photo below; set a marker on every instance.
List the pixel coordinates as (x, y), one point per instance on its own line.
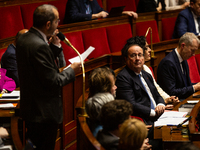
(43, 35)
(179, 56)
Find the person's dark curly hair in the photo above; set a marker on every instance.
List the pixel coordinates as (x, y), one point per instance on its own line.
(138, 40)
(114, 113)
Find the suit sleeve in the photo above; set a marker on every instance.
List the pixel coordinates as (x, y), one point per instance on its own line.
(182, 25)
(74, 12)
(46, 72)
(126, 91)
(166, 79)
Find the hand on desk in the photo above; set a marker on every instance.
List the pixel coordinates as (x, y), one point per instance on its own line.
(196, 86)
(169, 107)
(159, 110)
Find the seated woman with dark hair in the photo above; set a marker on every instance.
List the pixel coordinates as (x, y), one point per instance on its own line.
(6, 84)
(102, 89)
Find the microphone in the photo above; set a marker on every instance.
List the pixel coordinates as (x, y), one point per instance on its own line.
(180, 124)
(66, 41)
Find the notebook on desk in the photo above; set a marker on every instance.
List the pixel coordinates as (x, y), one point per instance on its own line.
(116, 11)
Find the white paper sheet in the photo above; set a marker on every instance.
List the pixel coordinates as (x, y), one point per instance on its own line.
(7, 105)
(14, 95)
(170, 122)
(173, 114)
(83, 55)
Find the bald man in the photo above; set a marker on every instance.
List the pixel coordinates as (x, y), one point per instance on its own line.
(8, 60)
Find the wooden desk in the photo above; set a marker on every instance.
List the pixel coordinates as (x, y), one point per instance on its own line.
(170, 139)
(14, 116)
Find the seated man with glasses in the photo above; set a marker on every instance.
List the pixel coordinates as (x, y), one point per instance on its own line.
(136, 86)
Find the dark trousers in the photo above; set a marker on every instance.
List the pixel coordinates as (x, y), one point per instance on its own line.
(42, 135)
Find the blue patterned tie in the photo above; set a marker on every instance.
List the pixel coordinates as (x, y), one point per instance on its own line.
(87, 6)
(184, 72)
(152, 105)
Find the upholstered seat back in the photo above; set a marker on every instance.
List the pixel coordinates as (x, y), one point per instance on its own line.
(194, 72)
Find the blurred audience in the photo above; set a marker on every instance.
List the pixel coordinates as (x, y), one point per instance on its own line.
(102, 89)
(8, 60)
(133, 133)
(84, 10)
(188, 20)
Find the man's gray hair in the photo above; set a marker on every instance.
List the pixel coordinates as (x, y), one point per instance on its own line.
(95, 103)
(188, 38)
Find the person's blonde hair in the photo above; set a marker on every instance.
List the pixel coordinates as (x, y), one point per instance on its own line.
(132, 134)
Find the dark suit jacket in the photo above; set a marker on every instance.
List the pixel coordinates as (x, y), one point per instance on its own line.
(149, 6)
(171, 79)
(107, 140)
(184, 23)
(130, 88)
(8, 62)
(75, 11)
(40, 80)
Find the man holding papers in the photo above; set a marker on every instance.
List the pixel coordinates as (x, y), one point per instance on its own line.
(40, 80)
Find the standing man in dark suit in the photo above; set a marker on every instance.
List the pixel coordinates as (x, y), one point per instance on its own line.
(8, 60)
(173, 71)
(40, 79)
(188, 20)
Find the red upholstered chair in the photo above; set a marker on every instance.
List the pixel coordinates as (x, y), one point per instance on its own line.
(129, 4)
(98, 39)
(117, 36)
(194, 73)
(136, 3)
(61, 5)
(27, 13)
(136, 117)
(141, 29)
(2, 51)
(11, 21)
(100, 3)
(197, 56)
(168, 28)
(76, 40)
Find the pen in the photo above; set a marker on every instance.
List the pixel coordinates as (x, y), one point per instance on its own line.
(180, 124)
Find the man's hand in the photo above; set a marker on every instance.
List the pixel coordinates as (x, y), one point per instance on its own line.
(145, 145)
(169, 107)
(148, 126)
(101, 14)
(76, 66)
(197, 86)
(130, 13)
(3, 132)
(54, 38)
(159, 110)
(172, 99)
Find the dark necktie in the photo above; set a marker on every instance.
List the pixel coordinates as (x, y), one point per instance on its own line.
(198, 20)
(184, 72)
(152, 105)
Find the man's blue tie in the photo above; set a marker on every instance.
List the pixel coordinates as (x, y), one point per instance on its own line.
(87, 6)
(152, 105)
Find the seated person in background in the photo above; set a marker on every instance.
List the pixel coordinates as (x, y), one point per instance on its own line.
(188, 20)
(102, 89)
(176, 4)
(8, 60)
(113, 114)
(6, 84)
(133, 133)
(84, 10)
(173, 71)
(137, 86)
(141, 41)
(150, 6)
(186, 146)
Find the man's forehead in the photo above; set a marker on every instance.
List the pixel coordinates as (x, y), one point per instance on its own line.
(135, 49)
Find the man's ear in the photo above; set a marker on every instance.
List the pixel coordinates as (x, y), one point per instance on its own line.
(183, 45)
(48, 24)
(191, 4)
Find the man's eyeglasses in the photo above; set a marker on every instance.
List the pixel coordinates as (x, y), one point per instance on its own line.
(133, 56)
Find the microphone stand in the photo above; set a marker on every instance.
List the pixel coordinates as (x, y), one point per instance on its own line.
(83, 111)
(152, 51)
